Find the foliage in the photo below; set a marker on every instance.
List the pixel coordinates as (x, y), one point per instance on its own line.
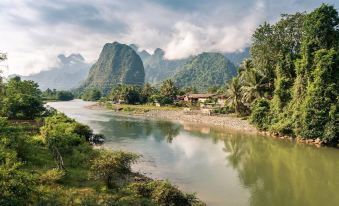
(233, 93)
(52, 176)
(260, 113)
(294, 66)
(91, 95)
(204, 71)
(22, 100)
(126, 93)
(147, 92)
(168, 89)
(164, 194)
(16, 185)
(112, 167)
(321, 98)
(57, 95)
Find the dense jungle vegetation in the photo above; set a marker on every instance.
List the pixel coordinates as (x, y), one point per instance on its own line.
(290, 84)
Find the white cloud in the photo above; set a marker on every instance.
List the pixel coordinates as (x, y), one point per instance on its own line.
(34, 32)
(190, 39)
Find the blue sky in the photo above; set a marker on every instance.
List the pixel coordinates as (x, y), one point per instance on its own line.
(34, 32)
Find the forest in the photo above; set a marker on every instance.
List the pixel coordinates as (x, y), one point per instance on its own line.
(290, 84)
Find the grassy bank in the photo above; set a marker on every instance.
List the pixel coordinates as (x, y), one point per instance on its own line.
(142, 108)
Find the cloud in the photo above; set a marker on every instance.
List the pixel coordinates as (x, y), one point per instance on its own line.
(190, 39)
(34, 32)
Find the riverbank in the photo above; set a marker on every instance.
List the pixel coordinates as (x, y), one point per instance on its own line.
(229, 122)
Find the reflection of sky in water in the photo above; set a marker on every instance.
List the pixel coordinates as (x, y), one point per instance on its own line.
(223, 168)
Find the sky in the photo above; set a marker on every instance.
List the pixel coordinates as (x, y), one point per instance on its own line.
(34, 32)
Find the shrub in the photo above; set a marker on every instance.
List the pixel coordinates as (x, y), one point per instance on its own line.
(113, 167)
(51, 176)
(16, 185)
(163, 193)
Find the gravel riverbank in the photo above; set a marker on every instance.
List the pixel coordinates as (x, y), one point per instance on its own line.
(181, 116)
(224, 121)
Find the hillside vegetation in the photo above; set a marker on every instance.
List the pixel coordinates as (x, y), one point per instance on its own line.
(204, 71)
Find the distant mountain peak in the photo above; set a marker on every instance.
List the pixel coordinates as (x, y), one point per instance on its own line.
(159, 52)
(71, 59)
(134, 46)
(70, 71)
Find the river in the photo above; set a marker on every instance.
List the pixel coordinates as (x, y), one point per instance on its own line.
(224, 168)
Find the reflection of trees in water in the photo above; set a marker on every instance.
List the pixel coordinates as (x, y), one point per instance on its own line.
(132, 128)
(168, 130)
(280, 173)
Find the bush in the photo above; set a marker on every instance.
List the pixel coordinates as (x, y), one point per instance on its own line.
(16, 186)
(51, 176)
(163, 193)
(113, 167)
(260, 113)
(64, 96)
(91, 95)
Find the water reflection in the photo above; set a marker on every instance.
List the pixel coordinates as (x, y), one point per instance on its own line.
(122, 127)
(282, 173)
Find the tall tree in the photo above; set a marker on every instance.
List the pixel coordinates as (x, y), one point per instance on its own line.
(168, 89)
(234, 95)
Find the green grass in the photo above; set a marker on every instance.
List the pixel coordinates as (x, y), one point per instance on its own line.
(139, 108)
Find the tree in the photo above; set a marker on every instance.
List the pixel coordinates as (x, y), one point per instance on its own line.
(252, 86)
(263, 53)
(22, 100)
(260, 113)
(320, 32)
(112, 166)
(91, 95)
(128, 93)
(168, 89)
(321, 98)
(147, 91)
(64, 95)
(233, 93)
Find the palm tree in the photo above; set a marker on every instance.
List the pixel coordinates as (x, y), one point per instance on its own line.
(233, 93)
(168, 89)
(245, 66)
(252, 86)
